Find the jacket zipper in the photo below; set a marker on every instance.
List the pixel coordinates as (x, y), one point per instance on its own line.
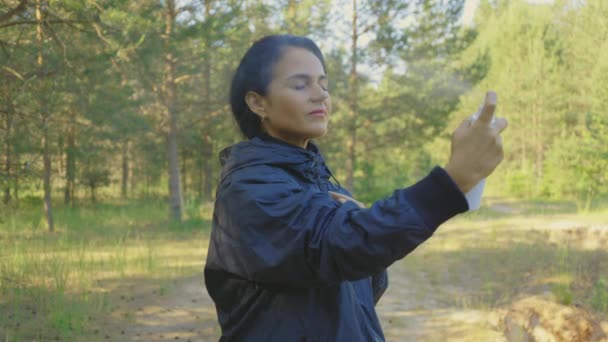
(316, 175)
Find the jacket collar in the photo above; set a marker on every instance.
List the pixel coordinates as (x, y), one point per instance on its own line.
(265, 149)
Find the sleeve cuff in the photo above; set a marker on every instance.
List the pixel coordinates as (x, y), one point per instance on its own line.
(437, 198)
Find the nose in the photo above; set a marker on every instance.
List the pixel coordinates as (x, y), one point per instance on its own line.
(320, 94)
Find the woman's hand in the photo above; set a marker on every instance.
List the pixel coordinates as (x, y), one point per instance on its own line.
(476, 147)
(343, 198)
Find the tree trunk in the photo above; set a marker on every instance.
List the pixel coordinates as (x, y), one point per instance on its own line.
(351, 142)
(93, 198)
(16, 179)
(207, 152)
(45, 129)
(47, 176)
(135, 165)
(61, 152)
(70, 175)
(125, 169)
(8, 160)
(201, 177)
(175, 195)
(207, 142)
(208, 186)
(184, 176)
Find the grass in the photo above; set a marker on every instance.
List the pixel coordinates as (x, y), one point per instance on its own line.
(60, 286)
(457, 285)
(52, 285)
(487, 259)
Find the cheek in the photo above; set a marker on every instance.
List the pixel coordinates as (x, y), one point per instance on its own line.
(291, 105)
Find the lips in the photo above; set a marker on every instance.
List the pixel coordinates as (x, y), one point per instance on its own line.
(318, 112)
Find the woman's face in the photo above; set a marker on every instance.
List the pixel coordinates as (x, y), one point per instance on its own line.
(297, 105)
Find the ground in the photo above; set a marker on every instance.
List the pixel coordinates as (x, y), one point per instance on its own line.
(511, 272)
(180, 310)
(429, 298)
(184, 312)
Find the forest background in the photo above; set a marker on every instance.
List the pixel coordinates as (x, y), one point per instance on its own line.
(106, 99)
(113, 112)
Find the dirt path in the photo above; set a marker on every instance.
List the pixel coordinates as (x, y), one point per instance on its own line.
(183, 311)
(179, 310)
(414, 308)
(411, 311)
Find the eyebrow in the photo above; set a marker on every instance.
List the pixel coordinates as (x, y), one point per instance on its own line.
(306, 77)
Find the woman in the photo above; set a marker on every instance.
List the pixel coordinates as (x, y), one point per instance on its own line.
(291, 256)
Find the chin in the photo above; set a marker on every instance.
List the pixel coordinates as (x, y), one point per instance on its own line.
(317, 132)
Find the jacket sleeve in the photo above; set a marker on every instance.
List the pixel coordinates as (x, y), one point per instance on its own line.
(277, 232)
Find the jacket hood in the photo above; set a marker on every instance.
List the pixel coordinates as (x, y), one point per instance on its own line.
(266, 150)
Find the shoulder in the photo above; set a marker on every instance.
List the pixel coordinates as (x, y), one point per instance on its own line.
(259, 181)
(262, 173)
(259, 196)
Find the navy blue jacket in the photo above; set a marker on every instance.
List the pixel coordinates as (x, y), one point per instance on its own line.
(286, 262)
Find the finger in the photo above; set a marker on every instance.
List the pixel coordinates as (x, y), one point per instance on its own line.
(338, 197)
(487, 111)
(335, 195)
(500, 124)
(343, 198)
(468, 122)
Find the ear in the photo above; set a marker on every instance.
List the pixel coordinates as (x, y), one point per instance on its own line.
(256, 102)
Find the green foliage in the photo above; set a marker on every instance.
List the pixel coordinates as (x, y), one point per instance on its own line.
(537, 64)
(563, 294)
(102, 92)
(49, 283)
(517, 182)
(416, 87)
(577, 168)
(599, 299)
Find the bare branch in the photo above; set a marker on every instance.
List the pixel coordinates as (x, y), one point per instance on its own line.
(99, 8)
(100, 34)
(366, 29)
(12, 71)
(54, 21)
(13, 12)
(56, 39)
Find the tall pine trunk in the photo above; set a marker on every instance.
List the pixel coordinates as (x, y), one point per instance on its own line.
(351, 143)
(207, 141)
(184, 175)
(7, 148)
(48, 211)
(207, 151)
(70, 163)
(175, 194)
(16, 179)
(125, 169)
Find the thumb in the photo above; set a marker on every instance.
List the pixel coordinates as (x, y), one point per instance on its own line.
(487, 111)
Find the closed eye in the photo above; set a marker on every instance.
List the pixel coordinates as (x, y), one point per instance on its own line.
(301, 81)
